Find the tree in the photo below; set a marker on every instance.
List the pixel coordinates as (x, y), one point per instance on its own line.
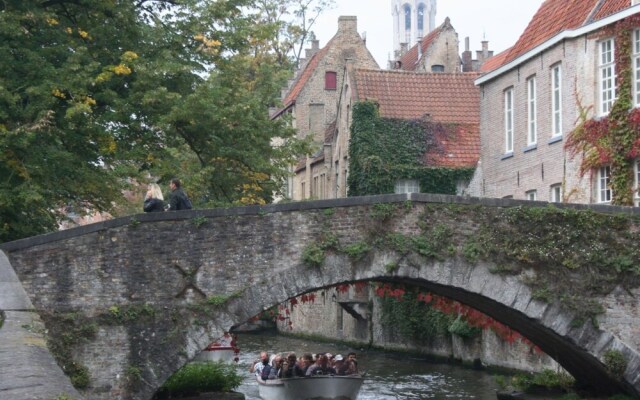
(96, 96)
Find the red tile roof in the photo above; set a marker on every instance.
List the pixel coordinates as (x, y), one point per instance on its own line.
(494, 62)
(447, 98)
(458, 148)
(306, 74)
(556, 16)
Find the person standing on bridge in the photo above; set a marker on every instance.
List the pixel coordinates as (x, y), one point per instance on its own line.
(178, 199)
(153, 200)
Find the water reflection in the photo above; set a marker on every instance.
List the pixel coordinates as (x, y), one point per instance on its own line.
(388, 375)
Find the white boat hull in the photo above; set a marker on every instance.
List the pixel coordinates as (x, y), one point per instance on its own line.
(311, 388)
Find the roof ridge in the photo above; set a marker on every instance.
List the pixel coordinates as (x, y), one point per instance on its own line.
(593, 12)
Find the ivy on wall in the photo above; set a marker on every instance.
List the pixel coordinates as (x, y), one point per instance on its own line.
(615, 139)
(385, 150)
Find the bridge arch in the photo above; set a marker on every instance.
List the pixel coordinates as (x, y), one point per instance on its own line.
(156, 288)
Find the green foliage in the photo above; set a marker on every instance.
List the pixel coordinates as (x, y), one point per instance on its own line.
(357, 251)
(97, 95)
(133, 312)
(382, 211)
(195, 378)
(391, 267)
(412, 319)
(472, 251)
(80, 377)
(313, 255)
(199, 221)
(616, 363)
(383, 151)
(461, 328)
(547, 378)
(133, 375)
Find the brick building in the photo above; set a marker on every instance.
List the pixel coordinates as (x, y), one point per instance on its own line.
(445, 98)
(529, 102)
(312, 98)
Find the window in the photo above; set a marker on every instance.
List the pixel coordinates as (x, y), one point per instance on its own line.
(303, 194)
(607, 76)
(556, 100)
(407, 17)
(555, 195)
(407, 186)
(636, 185)
(636, 67)
(531, 195)
(330, 80)
(604, 188)
(420, 19)
(532, 137)
(508, 120)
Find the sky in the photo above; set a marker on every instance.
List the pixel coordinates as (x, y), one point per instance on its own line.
(499, 21)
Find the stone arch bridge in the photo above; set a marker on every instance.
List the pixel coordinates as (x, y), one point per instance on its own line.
(127, 302)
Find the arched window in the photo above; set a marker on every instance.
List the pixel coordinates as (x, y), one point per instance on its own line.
(421, 17)
(407, 16)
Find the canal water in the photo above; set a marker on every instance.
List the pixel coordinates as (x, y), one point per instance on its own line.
(388, 375)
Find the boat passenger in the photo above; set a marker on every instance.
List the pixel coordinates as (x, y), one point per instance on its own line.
(260, 364)
(352, 357)
(291, 368)
(305, 362)
(274, 370)
(321, 367)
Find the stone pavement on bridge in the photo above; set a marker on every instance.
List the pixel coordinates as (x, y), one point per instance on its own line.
(27, 370)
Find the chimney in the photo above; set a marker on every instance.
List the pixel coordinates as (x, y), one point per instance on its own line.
(466, 57)
(419, 49)
(348, 25)
(404, 47)
(315, 46)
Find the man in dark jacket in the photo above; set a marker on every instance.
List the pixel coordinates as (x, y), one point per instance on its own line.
(178, 199)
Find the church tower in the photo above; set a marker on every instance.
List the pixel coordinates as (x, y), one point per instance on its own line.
(412, 20)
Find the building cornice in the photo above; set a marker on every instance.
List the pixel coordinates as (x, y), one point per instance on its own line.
(564, 35)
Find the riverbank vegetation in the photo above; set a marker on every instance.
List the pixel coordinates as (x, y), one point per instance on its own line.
(195, 378)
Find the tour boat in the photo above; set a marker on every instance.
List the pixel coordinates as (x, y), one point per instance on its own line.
(325, 387)
(224, 350)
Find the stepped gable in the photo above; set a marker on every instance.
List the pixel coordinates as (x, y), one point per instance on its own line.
(411, 59)
(304, 76)
(556, 16)
(449, 98)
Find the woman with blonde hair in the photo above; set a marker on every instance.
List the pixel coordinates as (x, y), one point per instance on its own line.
(153, 201)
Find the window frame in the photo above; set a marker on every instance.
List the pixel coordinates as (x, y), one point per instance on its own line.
(604, 194)
(635, 65)
(402, 186)
(531, 195)
(606, 76)
(555, 193)
(556, 100)
(508, 120)
(532, 107)
(330, 80)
